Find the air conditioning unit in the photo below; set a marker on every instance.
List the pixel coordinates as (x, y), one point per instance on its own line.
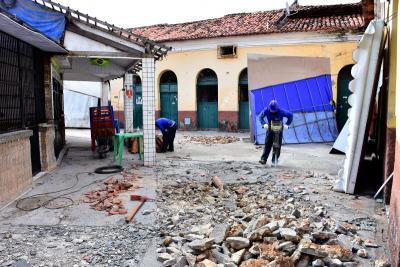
(227, 51)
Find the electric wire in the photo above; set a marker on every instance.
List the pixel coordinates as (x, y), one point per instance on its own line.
(113, 169)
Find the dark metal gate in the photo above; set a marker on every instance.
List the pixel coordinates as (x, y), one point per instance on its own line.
(59, 126)
(21, 91)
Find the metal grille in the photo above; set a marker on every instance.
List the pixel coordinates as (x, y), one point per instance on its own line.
(21, 85)
(10, 91)
(27, 83)
(59, 126)
(39, 86)
(21, 91)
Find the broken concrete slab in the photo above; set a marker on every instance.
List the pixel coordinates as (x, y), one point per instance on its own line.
(219, 232)
(238, 242)
(201, 244)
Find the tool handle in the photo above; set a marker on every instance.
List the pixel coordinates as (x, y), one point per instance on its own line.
(133, 212)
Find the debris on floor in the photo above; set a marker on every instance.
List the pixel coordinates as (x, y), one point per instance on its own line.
(106, 198)
(210, 140)
(255, 224)
(63, 245)
(206, 210)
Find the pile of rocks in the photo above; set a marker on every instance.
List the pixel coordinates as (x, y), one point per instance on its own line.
(105, 198)
(211, 140)
(254, 225)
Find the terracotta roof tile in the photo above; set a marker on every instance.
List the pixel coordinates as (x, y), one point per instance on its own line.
(331, 18)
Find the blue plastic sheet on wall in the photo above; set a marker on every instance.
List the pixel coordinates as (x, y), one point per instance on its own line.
(48, 22)
(310, 101)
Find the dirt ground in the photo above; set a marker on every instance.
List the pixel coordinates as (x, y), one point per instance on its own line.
(67, 232)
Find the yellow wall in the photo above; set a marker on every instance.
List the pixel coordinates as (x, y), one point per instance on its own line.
(187, 65)
(391, 118)
(394, 79)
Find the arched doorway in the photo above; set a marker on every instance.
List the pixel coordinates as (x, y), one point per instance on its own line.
(207, 99)
(243, 100)
(169, 96)
(138, 104)
(343, 93)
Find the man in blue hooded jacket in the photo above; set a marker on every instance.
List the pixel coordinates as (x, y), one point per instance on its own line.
(273, 113)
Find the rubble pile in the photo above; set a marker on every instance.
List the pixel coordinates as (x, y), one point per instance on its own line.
(211, 140)
(106, 198)
(257, 224)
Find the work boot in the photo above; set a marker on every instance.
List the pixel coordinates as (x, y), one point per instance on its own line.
(263, 162)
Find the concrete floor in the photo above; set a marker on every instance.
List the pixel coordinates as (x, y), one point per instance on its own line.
(79, 160)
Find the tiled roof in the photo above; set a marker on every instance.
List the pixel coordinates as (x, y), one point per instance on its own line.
(333, 18)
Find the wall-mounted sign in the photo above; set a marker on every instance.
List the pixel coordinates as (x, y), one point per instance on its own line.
(129, 92)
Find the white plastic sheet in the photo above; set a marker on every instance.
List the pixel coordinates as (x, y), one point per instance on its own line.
(76, 109)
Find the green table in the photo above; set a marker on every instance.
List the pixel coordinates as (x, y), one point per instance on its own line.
(119, 144)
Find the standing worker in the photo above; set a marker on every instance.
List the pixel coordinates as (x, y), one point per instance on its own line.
(168, 130)
(273, 113)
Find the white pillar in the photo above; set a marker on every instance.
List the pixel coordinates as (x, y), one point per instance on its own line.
(105, 93)
(148, 95)
(128, 102)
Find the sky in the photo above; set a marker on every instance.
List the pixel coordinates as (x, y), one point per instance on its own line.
(136, 13)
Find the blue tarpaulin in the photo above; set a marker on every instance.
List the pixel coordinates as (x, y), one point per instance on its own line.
(48, 22)
(310, 101)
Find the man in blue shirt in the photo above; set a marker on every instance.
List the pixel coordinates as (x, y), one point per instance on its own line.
(168, 130)
(273, 113)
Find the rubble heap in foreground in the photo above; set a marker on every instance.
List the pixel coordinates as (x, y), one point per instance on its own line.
(256, 225)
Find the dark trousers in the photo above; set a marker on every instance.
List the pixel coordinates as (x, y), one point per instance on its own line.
(269, 140)
(168, 139)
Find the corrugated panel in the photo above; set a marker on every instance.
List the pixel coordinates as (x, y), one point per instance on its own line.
(310, 101)
(362, 87)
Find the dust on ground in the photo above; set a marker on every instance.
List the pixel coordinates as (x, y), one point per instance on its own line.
(188, 208)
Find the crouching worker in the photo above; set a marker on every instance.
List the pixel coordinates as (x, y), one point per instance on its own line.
(168, 130)
(273, 113)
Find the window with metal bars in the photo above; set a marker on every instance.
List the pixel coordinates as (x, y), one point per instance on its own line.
(21, 84)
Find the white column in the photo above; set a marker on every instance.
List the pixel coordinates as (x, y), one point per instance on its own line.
(105, 93)
(128, 102)
(148, 95)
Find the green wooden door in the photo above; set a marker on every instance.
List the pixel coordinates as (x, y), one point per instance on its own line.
(244, 115)
(207, 100)
(343, 96)
(138, 107)
(207, 114)
(169, 101)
